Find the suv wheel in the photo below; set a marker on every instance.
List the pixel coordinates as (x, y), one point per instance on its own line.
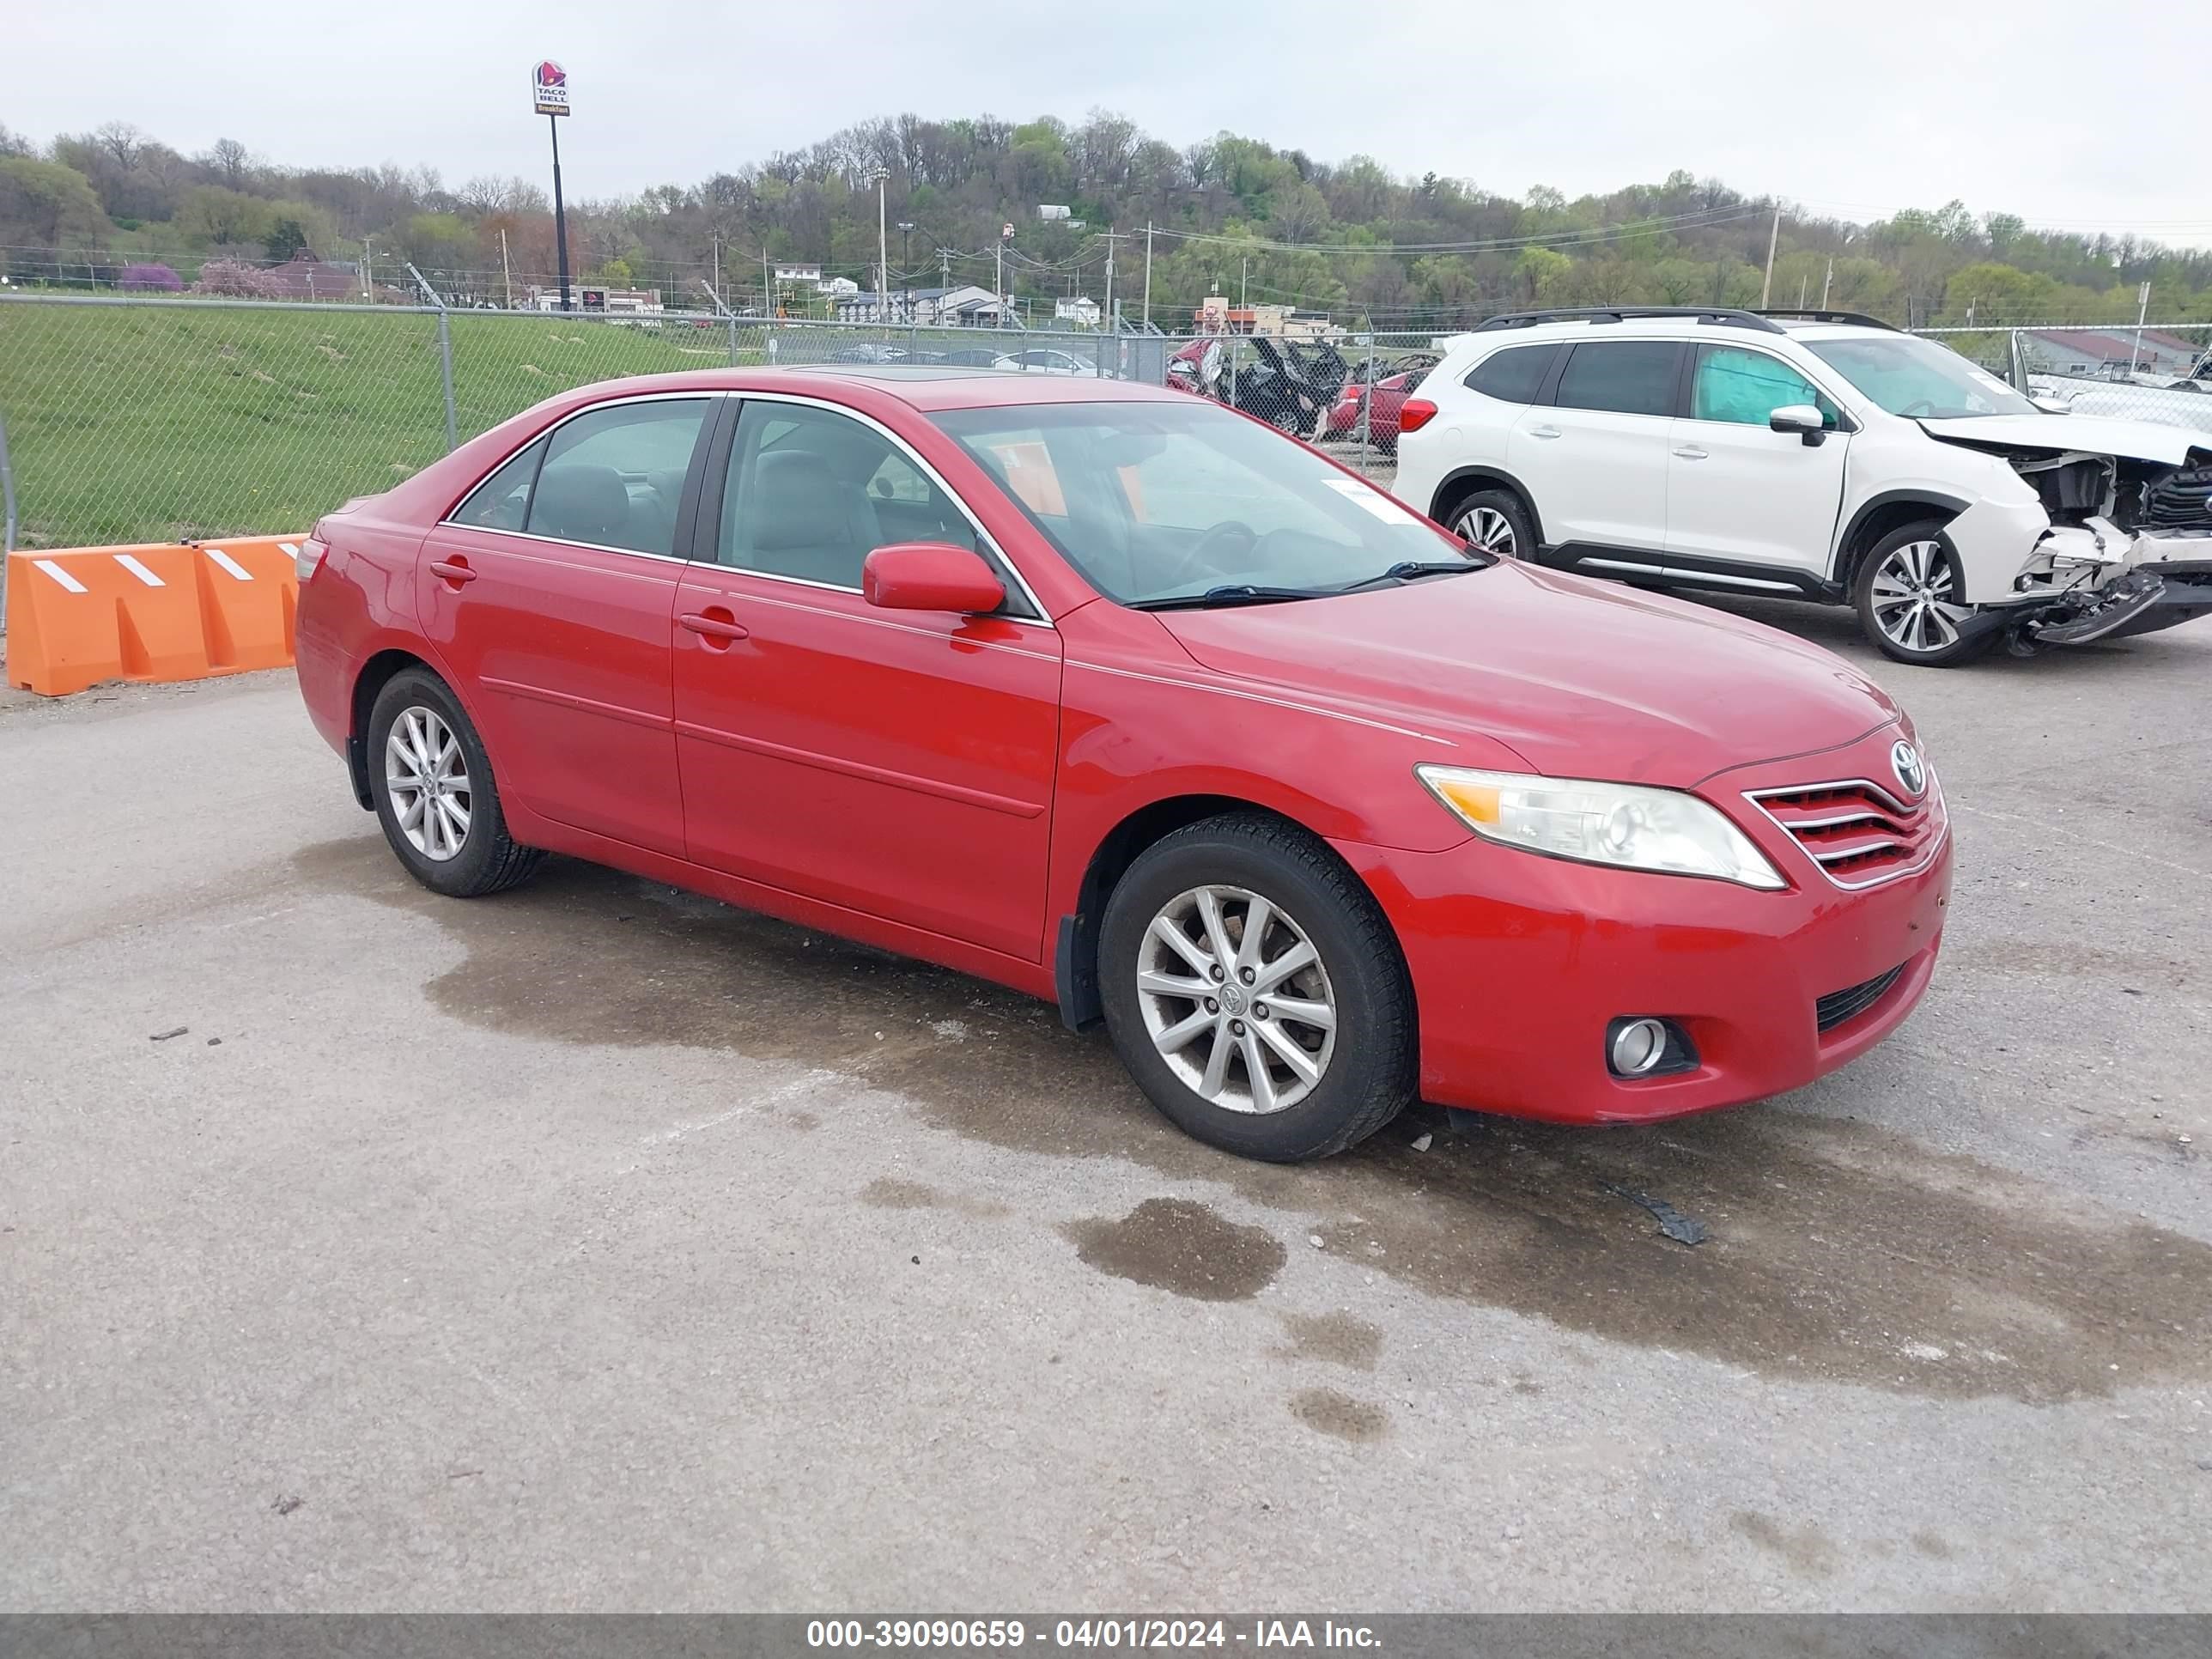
(1907, 595)
(1496, 522)
(1255, 991)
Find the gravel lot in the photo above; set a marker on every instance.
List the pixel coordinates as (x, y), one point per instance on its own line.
(596, 1246)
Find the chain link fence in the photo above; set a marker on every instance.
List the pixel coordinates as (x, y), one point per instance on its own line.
(2159, 372)
(164, 419)
(132, 419)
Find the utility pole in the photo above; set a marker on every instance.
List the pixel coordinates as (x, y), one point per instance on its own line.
(367, 282)
(1801, 282)
(883, 253)
(1773, 236)
(2142, 311)
(1244, 282)
(1827, 281)
(1109, 311)
(717, 270)
(1148, 274)
(506, 271)
(906, 263)
(767, 296)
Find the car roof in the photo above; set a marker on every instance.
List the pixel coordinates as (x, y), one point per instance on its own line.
(923, 386)
(1664, 328)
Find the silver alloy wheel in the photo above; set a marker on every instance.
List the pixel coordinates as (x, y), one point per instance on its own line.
(427, 775)
(1487, 528)
(1912, 598)
(1235, 999)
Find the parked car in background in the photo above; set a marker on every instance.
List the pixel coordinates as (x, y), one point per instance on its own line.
(1371, 412)
(1052, 360)
(869, 351)
(976, 357)
(1288, 384)
(1816, 454)
(1116, 697)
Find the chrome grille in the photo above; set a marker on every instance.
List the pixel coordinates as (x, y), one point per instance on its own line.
(1858, 833)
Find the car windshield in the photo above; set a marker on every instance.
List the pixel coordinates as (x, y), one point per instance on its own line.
(1916, 377)
(1156, 503)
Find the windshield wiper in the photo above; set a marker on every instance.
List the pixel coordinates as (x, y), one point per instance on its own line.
(1408, 569)
(1233, 593)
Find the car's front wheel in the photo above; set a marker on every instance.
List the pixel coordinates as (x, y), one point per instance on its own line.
(1255, 991)
(1908, 599)
(1495, 522)
(434, 794)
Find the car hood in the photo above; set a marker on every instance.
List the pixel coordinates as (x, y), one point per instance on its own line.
(1580, 679)
(2138, 441)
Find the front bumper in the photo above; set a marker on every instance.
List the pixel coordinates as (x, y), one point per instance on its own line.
(1520, 963)
(2100, 583)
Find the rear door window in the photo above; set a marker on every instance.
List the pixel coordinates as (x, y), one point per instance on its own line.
(614, 476)
(502, 501)
(1514, 375)
(1626, 377)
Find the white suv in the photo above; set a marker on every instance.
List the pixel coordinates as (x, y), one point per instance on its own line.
(1822, 455)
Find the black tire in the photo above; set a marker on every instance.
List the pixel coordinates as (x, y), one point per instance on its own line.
(489, 860)
(1370, 1074)
(1506, 505)
(1943, 567)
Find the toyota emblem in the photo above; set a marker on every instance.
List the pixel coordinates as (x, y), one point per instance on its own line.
(1911, 772)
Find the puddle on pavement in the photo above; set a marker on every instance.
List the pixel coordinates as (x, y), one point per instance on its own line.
(1335, 1338)
(893, 1193)
(1840, 1251)
(1180, 1245)
(1336, 1413)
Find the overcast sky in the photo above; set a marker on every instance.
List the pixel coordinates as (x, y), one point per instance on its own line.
(2089, 117)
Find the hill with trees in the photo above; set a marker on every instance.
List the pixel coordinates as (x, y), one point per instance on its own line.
(1229, 215)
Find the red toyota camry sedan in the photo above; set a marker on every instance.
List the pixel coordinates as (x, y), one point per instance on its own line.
(1122, 699)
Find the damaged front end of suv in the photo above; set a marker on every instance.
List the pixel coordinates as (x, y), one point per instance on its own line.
(2124, 544)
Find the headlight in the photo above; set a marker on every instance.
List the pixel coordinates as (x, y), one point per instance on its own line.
(1617, 823)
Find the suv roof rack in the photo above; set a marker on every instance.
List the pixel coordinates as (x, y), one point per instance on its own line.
(1719, 316)
(1860, 317)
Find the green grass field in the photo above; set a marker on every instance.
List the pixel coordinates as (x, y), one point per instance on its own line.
(146, 423)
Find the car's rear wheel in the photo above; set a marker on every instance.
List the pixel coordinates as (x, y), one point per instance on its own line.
(1908, 595)
(434, 793)
(1254, 990)
(1495, 522)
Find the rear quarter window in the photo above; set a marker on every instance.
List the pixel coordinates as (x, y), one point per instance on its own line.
(1514, 375)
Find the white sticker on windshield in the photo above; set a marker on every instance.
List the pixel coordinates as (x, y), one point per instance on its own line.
(1373, 499)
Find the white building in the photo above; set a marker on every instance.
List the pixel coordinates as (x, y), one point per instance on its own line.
(1083, 312)
(799, 273)
(965, 306)
(837, 288)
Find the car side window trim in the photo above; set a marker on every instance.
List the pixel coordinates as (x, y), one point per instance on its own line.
(1845, 423)
(706, 527)
(707, 428)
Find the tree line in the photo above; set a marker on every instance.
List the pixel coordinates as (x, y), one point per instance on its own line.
(1229, 216)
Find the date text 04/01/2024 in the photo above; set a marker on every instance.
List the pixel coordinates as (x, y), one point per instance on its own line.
(1089, 1634)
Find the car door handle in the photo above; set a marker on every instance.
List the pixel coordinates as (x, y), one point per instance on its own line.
(1543, 432)
(1692, 452)
(455, 571)
(715, 624)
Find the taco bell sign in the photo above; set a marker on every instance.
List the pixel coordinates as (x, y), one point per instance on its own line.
(548, 86)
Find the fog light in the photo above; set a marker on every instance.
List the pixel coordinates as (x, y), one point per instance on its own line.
(1637, 1047)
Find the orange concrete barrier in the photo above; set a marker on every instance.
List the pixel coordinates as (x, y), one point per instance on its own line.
(171, 611)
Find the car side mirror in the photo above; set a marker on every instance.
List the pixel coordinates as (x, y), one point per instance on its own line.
(930, 576)
(2050, 405)
(1807, 422)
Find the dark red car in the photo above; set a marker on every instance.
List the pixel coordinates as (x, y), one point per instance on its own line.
(1121, 699)
(1382, 402)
